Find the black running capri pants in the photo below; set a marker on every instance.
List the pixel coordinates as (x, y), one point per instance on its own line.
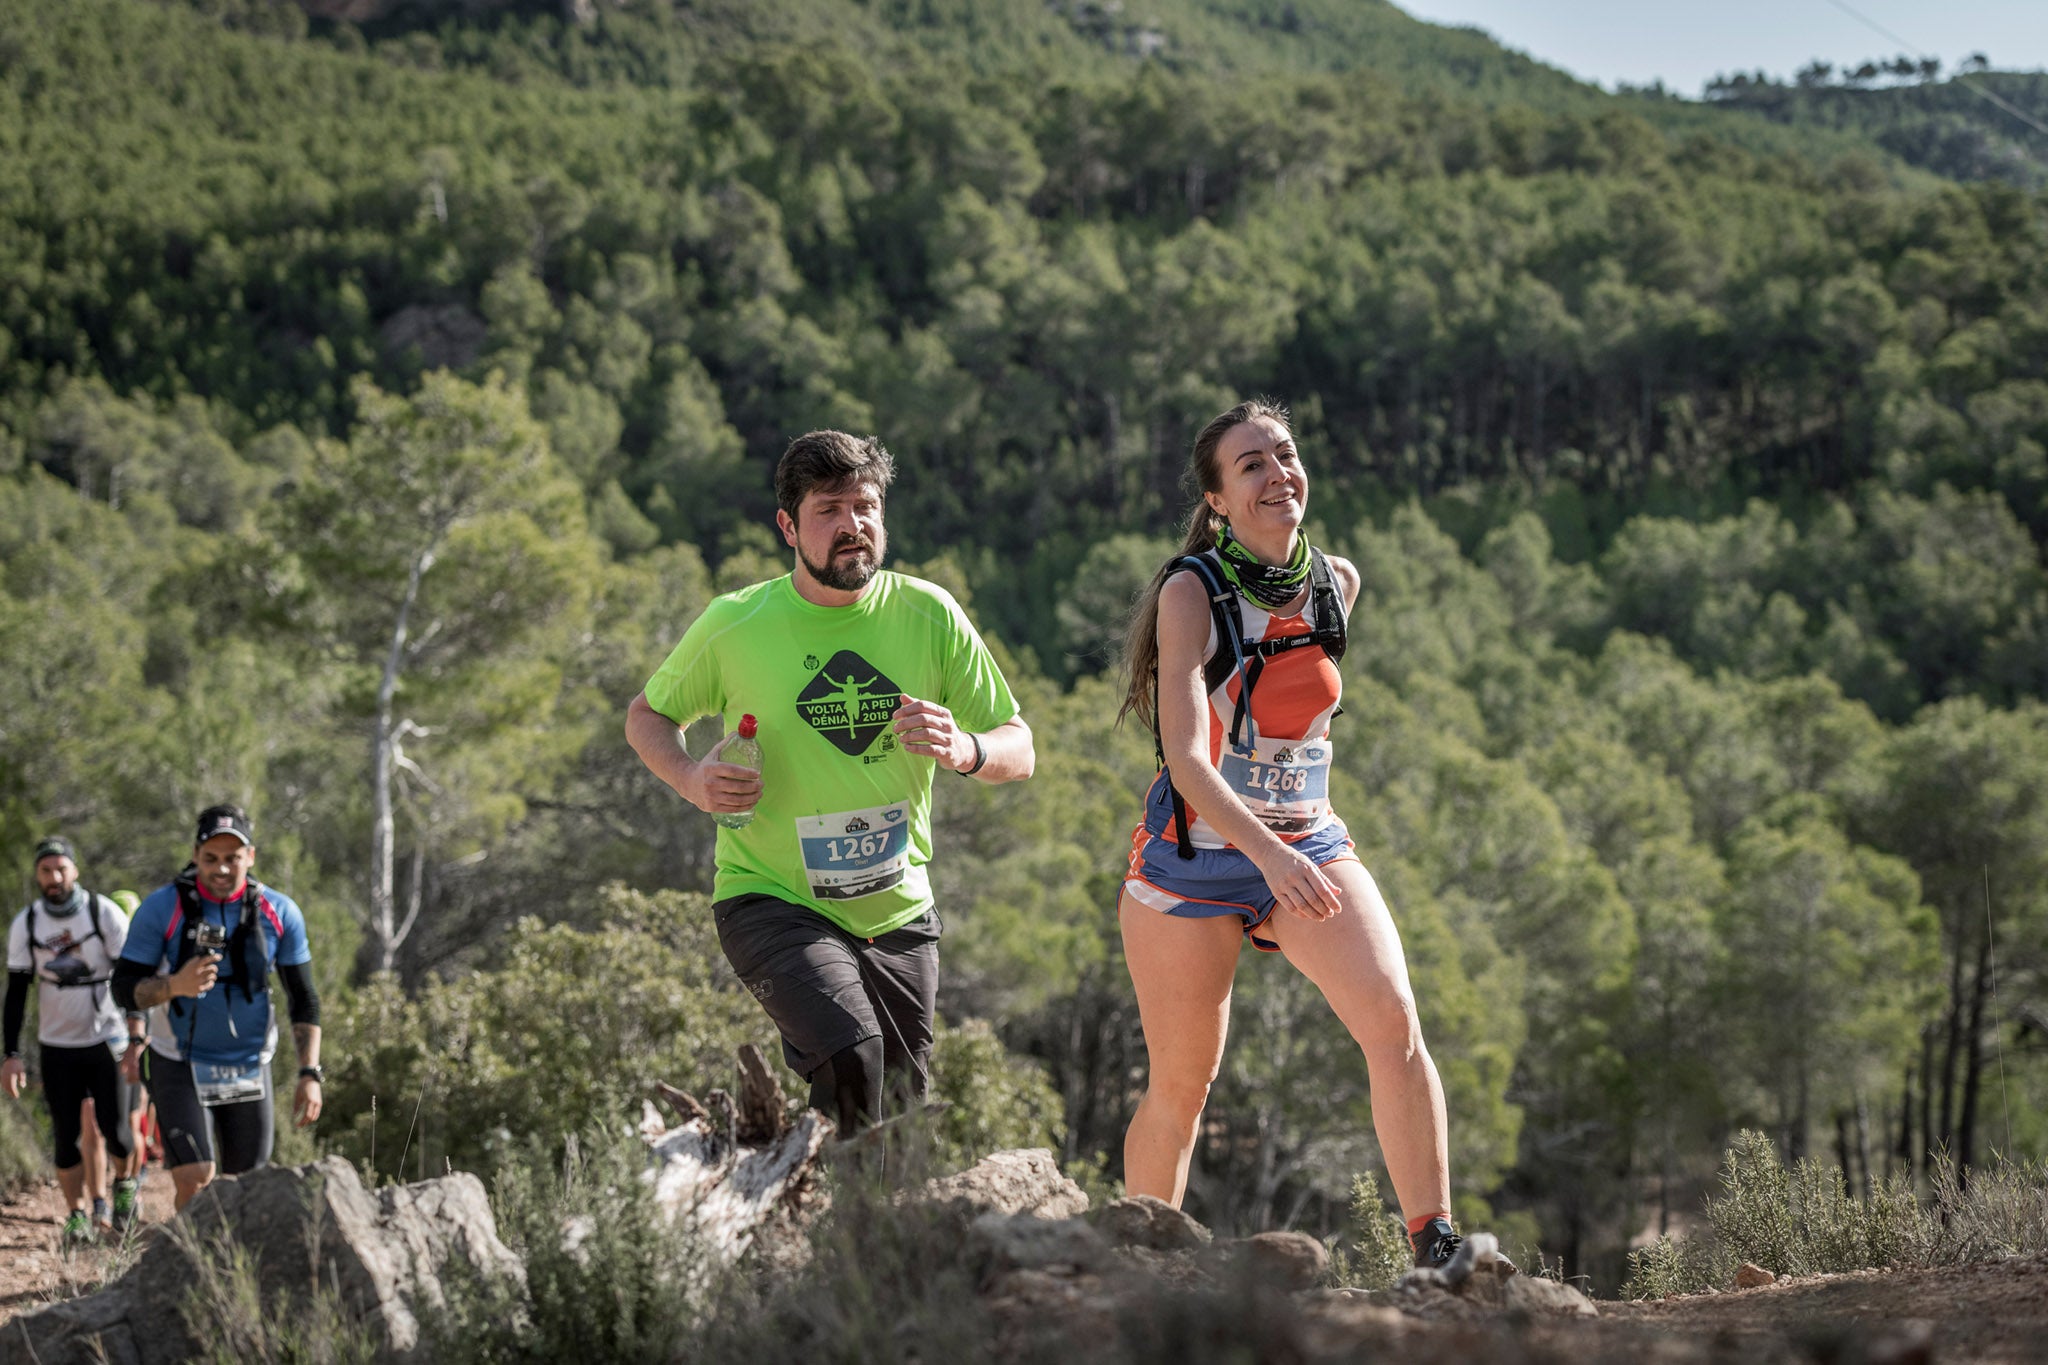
(71, 1076)
(234, 1137)
(827, 989)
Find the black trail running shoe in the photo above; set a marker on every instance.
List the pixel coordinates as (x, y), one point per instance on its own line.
(1437, 1245)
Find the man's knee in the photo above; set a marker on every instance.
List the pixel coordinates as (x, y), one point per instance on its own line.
(848, 1086)
(188, 1180)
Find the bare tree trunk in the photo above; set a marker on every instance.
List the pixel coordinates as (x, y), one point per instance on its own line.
(1927, 1097)
(384, 928)
(1904, 1151)
(1863, 1141)
(1953, 1048)
(1973, 1060)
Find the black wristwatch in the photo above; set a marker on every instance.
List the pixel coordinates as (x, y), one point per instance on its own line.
(315, 1073)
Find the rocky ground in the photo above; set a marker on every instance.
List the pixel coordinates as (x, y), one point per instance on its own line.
(1046, 1273)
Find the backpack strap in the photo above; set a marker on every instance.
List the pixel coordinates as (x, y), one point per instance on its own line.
(252, 981)
(92, 907)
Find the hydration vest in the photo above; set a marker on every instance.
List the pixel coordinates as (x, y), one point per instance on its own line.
(1248, 657)
(252, 976)
(71, 980)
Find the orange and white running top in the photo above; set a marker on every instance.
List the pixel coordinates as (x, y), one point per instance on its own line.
(1282, 770)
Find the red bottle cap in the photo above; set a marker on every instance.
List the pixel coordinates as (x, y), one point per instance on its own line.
(747, 727)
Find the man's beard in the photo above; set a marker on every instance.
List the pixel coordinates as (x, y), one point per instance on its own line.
(848, 575)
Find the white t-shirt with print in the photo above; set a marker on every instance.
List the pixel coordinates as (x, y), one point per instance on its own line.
(67, 949)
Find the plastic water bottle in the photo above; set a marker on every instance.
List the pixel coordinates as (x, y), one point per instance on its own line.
(742, 748)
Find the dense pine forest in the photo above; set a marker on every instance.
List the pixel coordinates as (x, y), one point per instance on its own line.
(381, 398)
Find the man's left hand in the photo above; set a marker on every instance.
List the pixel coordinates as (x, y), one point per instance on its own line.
(928, 729)
(305, 1102)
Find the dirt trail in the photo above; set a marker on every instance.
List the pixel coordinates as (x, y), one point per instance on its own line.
(33, 1268)
(1995, 1311)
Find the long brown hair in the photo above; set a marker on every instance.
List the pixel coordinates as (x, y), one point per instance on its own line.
(1141, 640)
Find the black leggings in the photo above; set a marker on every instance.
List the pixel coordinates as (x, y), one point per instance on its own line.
(73, 1075)
(192, 1133)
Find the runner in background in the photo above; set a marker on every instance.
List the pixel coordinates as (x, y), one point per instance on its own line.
(199, 960)
(65, 943)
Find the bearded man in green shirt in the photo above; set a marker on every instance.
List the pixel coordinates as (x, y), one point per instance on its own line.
(864, 682)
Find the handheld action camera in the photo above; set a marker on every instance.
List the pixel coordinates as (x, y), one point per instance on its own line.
(211, 938)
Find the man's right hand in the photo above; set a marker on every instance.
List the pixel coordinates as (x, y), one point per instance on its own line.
(196, 977)
(13, 1076)
(131, 1061)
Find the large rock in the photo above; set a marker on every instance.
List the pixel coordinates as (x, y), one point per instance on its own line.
(382, 1250)
(999, 1244)
(1027, 1181)
(1286, 1261)
(1152, 1224)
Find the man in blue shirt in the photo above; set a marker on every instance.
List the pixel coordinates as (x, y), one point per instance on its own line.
(198, 957)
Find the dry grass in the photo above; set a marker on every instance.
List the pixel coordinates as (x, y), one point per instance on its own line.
(1802, 1220)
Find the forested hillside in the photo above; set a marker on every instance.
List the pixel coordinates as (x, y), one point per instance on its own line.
(1697, 467)
(1978, 125)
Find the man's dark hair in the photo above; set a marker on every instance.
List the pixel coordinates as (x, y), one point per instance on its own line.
(831, 460)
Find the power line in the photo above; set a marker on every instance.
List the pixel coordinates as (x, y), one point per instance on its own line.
(1872, 24)
(1979, 91)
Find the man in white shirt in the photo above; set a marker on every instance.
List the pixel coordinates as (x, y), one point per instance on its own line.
(65, 943)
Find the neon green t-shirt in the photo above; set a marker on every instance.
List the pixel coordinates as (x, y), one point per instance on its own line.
(844, 824)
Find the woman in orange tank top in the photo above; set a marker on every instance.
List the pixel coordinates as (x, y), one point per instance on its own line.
(1251, 848)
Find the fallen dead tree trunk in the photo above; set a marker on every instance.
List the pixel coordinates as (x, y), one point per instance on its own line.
(732, 1167)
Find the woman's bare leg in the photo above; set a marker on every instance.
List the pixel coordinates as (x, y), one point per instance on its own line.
(1355, 959)
(1182, 971)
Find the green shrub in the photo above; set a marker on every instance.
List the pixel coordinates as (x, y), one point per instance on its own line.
(1675, 1265)
(994, 1100)
(1379, 1253)
(565, 1032)
(1803, 1221)
(569, 1028)
(606, 1279)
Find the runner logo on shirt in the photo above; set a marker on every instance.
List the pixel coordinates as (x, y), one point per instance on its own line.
(849, 702)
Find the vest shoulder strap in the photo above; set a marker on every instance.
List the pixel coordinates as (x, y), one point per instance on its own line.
(92, 909)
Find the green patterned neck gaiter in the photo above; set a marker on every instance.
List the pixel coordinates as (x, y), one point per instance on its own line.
(1269, 585)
